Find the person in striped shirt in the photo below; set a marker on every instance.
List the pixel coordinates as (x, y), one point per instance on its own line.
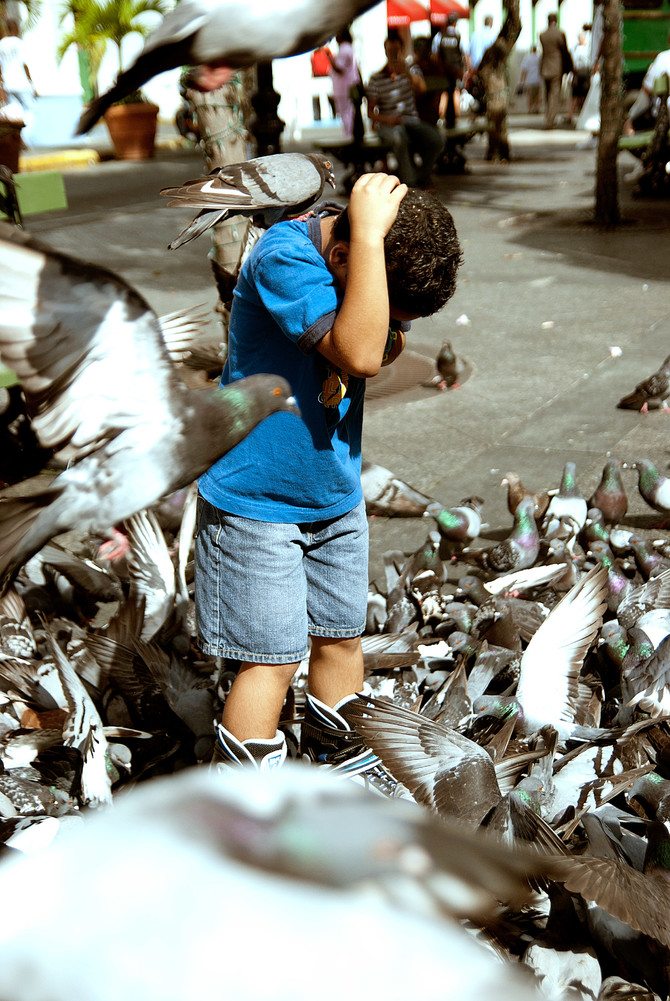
(392, 111)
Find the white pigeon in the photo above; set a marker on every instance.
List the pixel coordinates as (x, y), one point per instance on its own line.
(229, 33)
(84, 730)
(550, 665)
(101, 390)
(567, 508)
(151, 571)
(202, 885)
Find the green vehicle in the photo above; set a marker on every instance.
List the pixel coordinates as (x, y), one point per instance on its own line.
(645, 34)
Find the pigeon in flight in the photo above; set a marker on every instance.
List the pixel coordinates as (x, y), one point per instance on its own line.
(102, 392)
(268, 187)
(227, 34)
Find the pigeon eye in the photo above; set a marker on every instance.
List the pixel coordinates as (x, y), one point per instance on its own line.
(276, 391)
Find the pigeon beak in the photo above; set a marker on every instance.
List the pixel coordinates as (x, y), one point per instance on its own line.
(292, 405)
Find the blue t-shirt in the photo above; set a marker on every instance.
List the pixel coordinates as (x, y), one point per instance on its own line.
(289, 468)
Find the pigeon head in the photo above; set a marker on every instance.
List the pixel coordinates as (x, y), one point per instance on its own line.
(249, 401)
(324, 167)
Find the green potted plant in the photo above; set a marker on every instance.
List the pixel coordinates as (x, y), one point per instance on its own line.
(131, 122)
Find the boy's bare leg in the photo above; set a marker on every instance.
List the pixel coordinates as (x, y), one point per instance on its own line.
(254, 703)
(335, 668)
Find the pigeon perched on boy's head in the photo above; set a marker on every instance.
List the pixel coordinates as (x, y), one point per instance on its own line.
(267, 189)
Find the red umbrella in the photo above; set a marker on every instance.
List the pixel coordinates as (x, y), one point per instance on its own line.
(439, 9)
(399, 13)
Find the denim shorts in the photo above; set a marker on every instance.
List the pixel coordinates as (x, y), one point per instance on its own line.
(262, 588)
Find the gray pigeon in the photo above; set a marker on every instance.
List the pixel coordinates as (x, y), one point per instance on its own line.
(228, 33)
(268, 188)
(654, 390)
(388, 495)
(102, 392)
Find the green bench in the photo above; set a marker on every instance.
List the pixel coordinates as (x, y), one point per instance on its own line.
(653, 146)
(28, 194)
(42, 191)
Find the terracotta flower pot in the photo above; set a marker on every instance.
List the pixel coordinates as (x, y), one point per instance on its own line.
(132, 129)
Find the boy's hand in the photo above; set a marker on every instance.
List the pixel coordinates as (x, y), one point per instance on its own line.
(373, 206)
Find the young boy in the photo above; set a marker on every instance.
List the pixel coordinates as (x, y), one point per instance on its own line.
(282, 541)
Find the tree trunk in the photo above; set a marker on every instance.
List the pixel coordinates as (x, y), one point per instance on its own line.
(611, 117)
(221, 116)
(493, 71)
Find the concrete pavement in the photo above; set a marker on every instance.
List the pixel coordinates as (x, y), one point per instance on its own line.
(557, 319)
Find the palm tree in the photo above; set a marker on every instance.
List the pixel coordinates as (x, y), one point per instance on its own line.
(97, 22)
(90, 49)
(113, 20)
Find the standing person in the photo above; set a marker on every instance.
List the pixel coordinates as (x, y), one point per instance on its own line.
(447, 46)
(15, 78)
(282, 536)
(344, 75)
(393, 113)
(480, 42)
(581, 76)
(554, 45)
(530, 80)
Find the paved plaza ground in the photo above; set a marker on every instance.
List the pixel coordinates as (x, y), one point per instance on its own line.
(556, 318)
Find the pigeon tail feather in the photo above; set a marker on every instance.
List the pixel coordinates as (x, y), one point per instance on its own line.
(202, 222)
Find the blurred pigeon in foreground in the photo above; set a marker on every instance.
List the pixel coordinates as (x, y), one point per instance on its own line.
(101, 391)
(269, 187)
(185, 863)
(653, 390)
(228, 33)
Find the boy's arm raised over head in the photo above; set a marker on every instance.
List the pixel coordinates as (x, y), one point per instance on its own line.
(357, 339)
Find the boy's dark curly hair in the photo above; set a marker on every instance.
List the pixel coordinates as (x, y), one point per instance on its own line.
(422, 253)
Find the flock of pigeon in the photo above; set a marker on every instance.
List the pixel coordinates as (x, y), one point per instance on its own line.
(516, 693)
(516, 696)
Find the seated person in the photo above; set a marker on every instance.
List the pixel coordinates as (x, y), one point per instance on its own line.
(641, 116)
(393, 113)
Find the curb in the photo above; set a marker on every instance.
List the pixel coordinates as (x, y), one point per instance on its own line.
(59, 160)
(85, 156)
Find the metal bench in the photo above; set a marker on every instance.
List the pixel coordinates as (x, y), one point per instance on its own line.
(366, 154)
(361, 155)
(453, 160)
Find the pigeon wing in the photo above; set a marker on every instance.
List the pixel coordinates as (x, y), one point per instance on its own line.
(625, 893)
(441, 768)
(551, 663)
(85, 346)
